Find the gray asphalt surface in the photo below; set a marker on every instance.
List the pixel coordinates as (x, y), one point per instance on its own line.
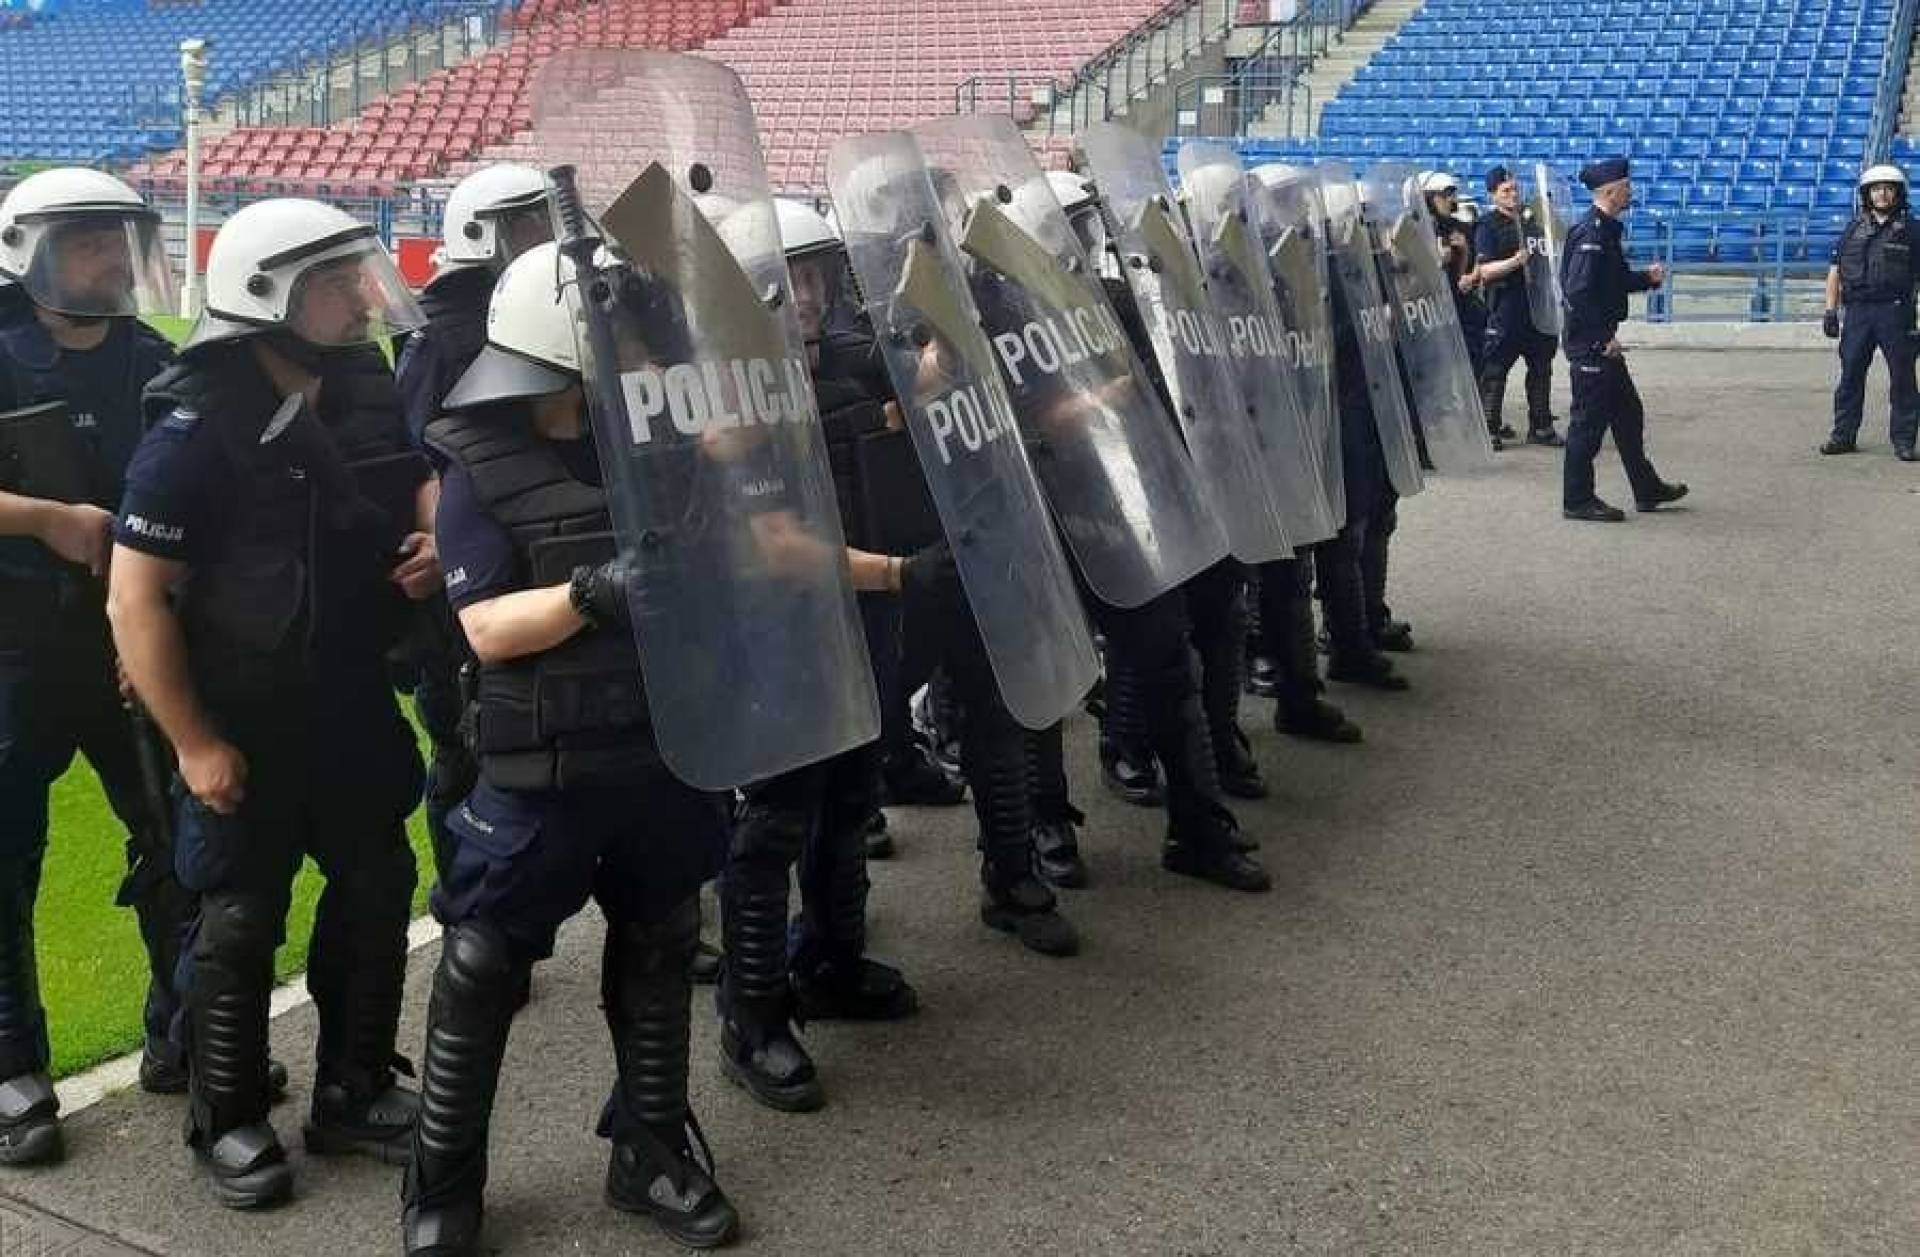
(1604, 942)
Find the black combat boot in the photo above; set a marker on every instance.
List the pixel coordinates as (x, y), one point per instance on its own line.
(758, 1049)
(1126, 762)
(1301, 711)
(29, 1110)
(1353, 658)
(468, 1017)
(833, 979)
(1539, 386)
(1203, 840)
(1493, 399)
(357, 972)
(1388, 634)
(1000, 769)
(653, 1170)
(1056, 821)
(1222, 663)
(914, 777)
(226, 1012)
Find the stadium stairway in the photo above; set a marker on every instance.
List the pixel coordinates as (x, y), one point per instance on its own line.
(1335, 68)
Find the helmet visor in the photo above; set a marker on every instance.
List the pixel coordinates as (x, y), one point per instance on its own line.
(103, 265)
(824, 298)
(352, 295)
(519, 228)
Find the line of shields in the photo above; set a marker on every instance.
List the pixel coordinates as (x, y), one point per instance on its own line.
(1061, 464)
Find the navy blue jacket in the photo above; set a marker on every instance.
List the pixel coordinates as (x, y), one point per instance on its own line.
(1596, 279)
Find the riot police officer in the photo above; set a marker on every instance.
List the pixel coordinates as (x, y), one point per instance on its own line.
(1596, 279)
(491, 217)
(1453, 224)
(816, 817)
(1500, 241)
(574, 804)
(275, 525)
(1350, 572)
(83, 256)
(1215, 598)
(1155, 637)
(1870, 295)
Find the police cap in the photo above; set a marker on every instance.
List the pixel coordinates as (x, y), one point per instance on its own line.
(1598, 174)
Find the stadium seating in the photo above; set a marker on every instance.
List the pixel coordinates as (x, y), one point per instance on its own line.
(821, 69)
(817, 70)
(1727, 107)
(450, 115)
(97, 79)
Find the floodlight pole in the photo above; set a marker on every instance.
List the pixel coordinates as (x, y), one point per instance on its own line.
(193, 74)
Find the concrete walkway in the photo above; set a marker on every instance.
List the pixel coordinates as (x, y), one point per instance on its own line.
(1603, 943)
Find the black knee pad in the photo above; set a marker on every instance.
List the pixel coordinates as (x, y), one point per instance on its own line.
(666, 942)
(476, 964)
(768, 835)
(241, 928)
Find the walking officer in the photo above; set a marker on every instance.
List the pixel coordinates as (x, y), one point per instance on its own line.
(83, 255)
(1596, 279)
(492, 216)
(572, 805)
(274, 528)
(1500, 242)
(1870, 294)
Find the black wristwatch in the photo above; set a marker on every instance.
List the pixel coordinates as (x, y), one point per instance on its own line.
(580, 595)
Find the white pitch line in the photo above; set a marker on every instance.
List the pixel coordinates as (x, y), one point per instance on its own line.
(83, 1091)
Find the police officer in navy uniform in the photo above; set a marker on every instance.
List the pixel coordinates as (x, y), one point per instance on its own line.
(274, 531)
(1216, 607)
(1870, 295)
(815, 818)
(573, 800)
(1454, 229)
(1350, 570)
(82, 256)
(1596, 281)
(491, 217)
(1500, 242)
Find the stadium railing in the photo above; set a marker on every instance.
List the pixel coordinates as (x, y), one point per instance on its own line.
(1269, 76)
(1893, 80)
(1144, 56)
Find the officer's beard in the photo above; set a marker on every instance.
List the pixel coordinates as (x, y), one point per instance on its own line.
(299, 351)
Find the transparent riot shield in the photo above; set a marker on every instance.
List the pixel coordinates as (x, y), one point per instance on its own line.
(1433, 351)
(1188, 341)
(1543, 228)
(1105, 450)
(1015, 574)
(1293, 227)
(702, 412)
(1350, 257)
(1224, 210)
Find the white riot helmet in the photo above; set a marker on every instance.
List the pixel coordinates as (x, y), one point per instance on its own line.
(494, 215)
(1074, 192)
(1272, 174)
(531, 350)
(1221, 187)
(817, 262)
(1887, 174)
(1438, 183)
(83, 243)
(804, 231)
(306, 268)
